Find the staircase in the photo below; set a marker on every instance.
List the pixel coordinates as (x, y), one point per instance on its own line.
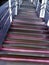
(26, 40)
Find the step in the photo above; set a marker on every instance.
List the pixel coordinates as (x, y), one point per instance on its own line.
(28, 26)
(27, 30)
(28, 34)
(31, 14)
(24, 50)
(27, 18)
(20, 63)
(31, 42)
(31, 22)
(27, 37)
(34, 34)
(25, 60)
(27, 6)
(25, 45)
(11, 53)
(27, 10)
(33, 17)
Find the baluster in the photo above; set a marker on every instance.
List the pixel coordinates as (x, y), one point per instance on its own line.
(10, 11)
(37, 5)
(43, 8)
(16, 7)
(20, 2)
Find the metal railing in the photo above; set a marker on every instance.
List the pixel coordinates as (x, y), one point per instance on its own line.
(43, 10)
(6, 17)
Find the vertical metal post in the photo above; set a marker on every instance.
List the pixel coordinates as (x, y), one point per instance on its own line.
(10, 11)
(43, 8)
(16, 7)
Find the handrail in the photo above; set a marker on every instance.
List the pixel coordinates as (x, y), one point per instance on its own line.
(6, 12)
(4, 15)
(6, 19)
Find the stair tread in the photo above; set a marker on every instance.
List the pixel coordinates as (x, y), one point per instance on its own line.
(40, 42)
(22, 50)
(33, 17)
(7, 45)
(36, 60)
(27, 22)
(28, 26)
(18, 36)
(27, 30)
(23, 54)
